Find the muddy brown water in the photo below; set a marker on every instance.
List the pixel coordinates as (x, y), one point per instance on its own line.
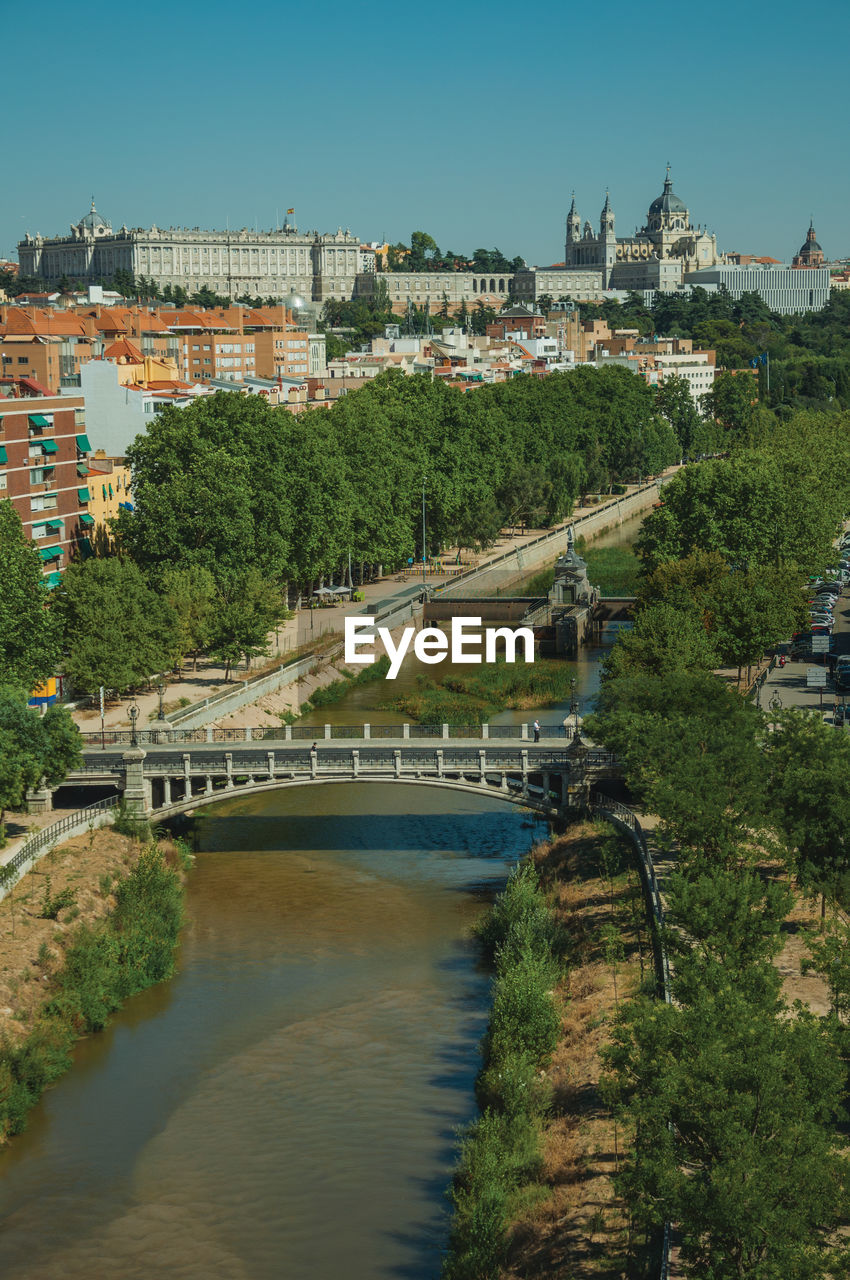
(287, 1105)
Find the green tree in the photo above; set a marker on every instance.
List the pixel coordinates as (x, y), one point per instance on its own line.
(29, 634)
(810, 794)
(191, 595)
(752, 611)
(666, 640)
(735, 1116)
(246, 609)
(33, 749)
(732, 402)
(692, 752)
(675, 403)
(118, 631)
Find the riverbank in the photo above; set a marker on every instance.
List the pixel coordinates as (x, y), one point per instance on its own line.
(564, 1218)
(94, 922)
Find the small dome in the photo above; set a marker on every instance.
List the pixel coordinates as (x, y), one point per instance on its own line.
(93, 220)
(811, 246)
(294, 302)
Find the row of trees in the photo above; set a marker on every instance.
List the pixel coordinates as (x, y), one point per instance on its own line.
(733, 1096)
(230, 482)
(424, 254)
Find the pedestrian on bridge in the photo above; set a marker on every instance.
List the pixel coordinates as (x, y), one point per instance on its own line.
(536, 730)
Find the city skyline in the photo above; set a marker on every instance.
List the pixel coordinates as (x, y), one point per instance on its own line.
(476, 135)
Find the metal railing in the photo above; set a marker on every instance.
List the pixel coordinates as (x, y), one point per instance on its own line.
(623, 817)
(322, 733)
(45, 838)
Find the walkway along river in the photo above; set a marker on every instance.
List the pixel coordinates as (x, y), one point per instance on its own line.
(286, 1106)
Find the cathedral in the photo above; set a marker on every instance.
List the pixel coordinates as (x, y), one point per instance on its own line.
(656, 257)
(811, 254)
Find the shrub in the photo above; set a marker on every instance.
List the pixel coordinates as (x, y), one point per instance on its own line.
(52, 904)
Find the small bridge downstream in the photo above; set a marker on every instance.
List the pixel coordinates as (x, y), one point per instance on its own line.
(158, 777)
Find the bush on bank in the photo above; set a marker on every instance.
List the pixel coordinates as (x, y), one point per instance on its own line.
(500, 1152)
(105, 964)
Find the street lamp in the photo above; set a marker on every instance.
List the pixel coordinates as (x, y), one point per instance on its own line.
(160, 688)
(574, 704)
(134, 715)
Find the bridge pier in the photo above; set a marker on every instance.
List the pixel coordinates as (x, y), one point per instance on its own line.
(439, 764)
(40, 800)
(482, 768)
(137, 795)
(355, 763)
(397, 760)
(523, 755)
(228, 766)
(187, 776)
(270, 764)
(208, 784)
(314, 761)
(166, 791)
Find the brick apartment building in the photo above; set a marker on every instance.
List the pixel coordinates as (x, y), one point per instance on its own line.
(43, 469)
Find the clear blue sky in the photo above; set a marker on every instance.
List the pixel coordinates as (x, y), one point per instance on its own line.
(473, 122)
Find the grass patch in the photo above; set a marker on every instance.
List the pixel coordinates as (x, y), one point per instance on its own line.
(337, 689)
(614, 570)
(474, 698)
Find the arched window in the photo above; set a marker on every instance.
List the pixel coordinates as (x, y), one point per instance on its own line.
(501, 286)
(492, 286)
(474, 285)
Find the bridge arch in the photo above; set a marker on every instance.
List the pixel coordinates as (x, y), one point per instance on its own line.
(533, 800)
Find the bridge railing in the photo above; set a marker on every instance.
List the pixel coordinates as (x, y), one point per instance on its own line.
(322, 733)
(43, 840)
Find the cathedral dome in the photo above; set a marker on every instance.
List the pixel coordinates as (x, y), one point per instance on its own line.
(668, 201)
(809, 246)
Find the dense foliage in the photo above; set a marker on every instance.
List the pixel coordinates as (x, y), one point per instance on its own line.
(230, 482)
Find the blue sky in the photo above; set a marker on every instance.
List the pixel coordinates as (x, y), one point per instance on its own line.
(472, 122)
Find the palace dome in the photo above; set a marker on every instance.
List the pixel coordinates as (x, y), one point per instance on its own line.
(92, 221)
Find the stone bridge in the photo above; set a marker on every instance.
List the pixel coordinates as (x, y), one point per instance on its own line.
(162, 778)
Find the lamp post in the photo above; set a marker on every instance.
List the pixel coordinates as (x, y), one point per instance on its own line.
(160, 688)
(424, 478)
(574, 705)
(134, 715)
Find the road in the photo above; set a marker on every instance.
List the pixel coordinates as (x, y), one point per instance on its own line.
(789, 682)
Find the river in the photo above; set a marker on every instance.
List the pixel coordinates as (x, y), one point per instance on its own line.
(286, 1106)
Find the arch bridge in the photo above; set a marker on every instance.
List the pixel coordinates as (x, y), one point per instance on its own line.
(160, 780)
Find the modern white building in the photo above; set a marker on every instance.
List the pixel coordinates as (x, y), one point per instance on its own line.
(786, 290)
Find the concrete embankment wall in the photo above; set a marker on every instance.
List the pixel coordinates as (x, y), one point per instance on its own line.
(227, 701)
(494, 577)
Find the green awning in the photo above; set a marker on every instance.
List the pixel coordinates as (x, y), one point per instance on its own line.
(84, 495)
(53, 580)
(82, 470)
(49, 446)
(83, 444)
(38, 420)
(86, 520)
(3, 457)
(50, 553)
(103, 491)
(111, 494)
(55, 524)
(84, 547)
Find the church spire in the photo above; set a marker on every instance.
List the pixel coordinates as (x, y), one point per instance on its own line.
(606, 219)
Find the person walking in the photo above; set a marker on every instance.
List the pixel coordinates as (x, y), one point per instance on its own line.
(536, 730)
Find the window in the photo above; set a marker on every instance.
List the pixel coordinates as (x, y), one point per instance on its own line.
(44, 502)
(39, 475)
(2, 479)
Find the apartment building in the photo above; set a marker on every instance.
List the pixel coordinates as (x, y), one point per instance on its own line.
(44, 470)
